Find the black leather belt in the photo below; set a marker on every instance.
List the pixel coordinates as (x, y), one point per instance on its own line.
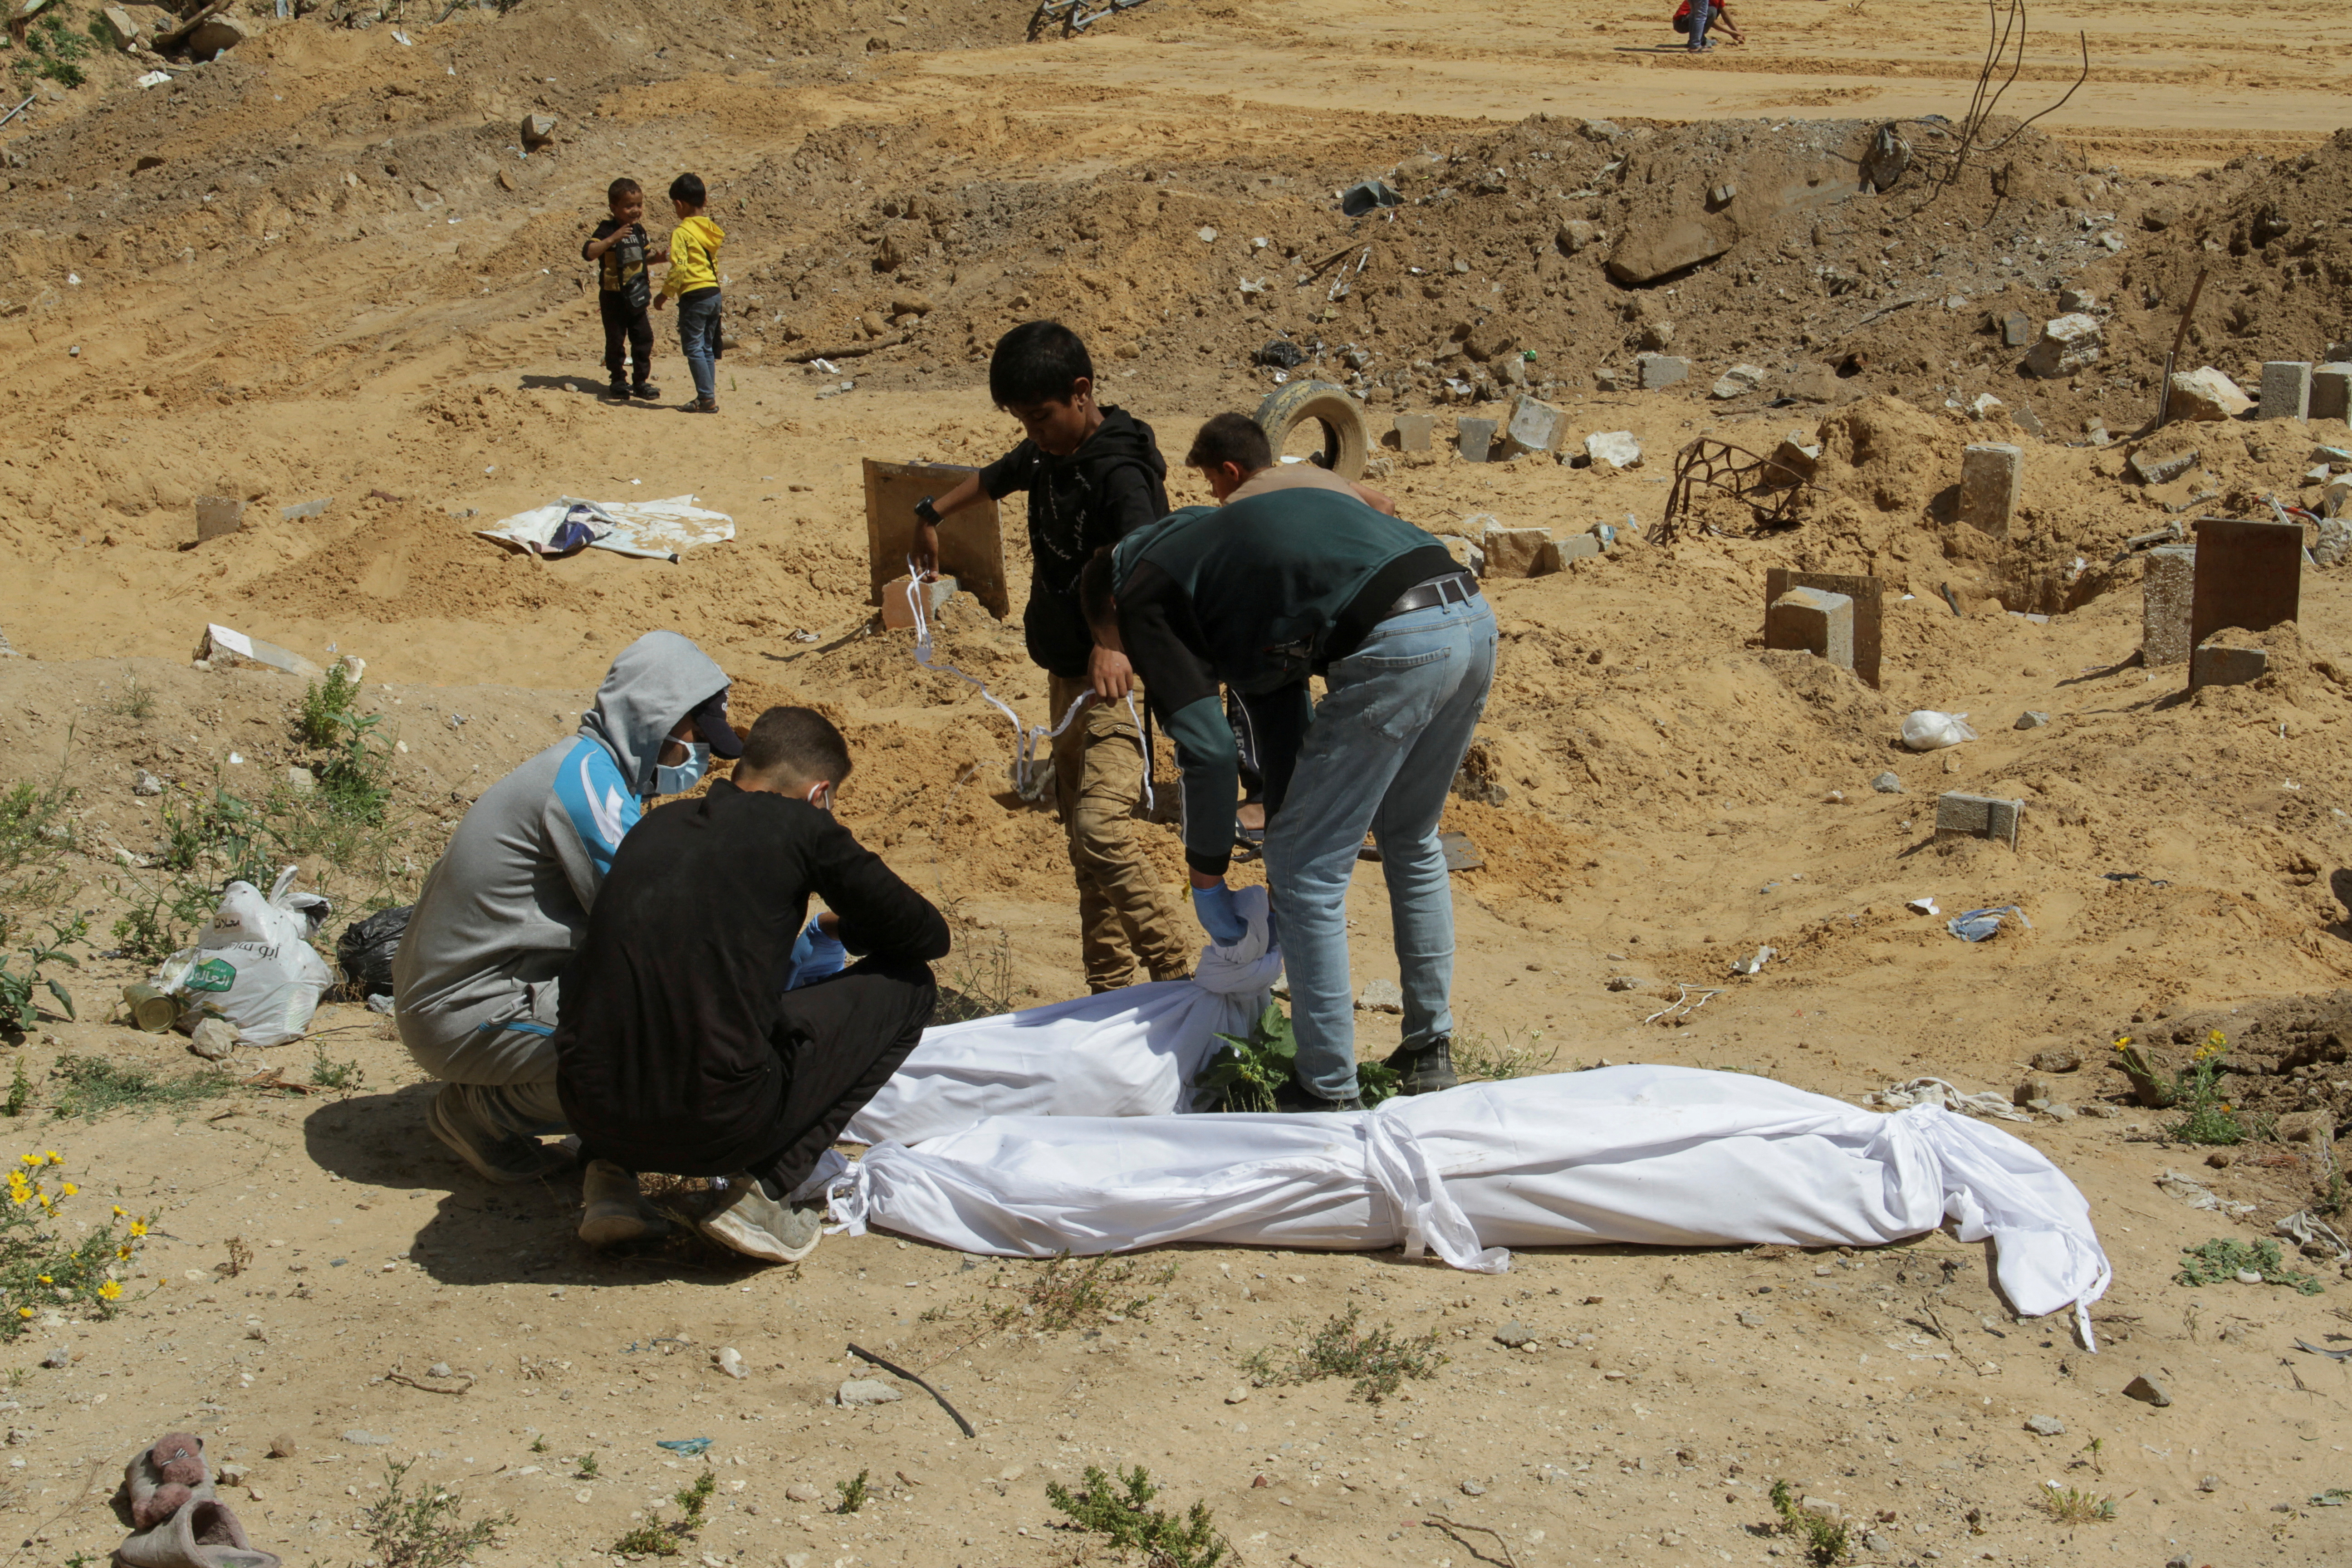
(1454, 588)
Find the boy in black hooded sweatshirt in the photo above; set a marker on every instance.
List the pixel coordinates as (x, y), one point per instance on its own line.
(1093, 476)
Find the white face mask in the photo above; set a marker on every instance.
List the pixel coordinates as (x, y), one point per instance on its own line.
(668, 780)
(820, 795)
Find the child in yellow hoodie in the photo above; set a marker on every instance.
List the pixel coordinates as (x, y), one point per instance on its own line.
(693, 281)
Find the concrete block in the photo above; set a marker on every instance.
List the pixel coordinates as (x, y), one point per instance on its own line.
(2286, 390)
(2167, 591)
(1813, 620)
(1470, 556)
(1869, 597)
(1535, 427)
(1991, 474)
(1475, 438)
(1518, 551)
(536, 130)
(1412, 431)
(1575, 547)
(2215, 665)
(122, 24)
(2331, 392)
(1660, 369)
(2205, 394)
(2016, 330)
(897, 615)
(216, 515)
(2151, 469)
(1962, 815)
(2067, 344)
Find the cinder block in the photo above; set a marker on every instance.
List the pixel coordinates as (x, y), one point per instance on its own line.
(2214, 665)
(1655, 370)
(1813, 620)
(1576, 547)
(1535, 427)
(2331, 392)
(1962, 815)
(897, 615)
(1475, 438)
(1412, 431)
(2016, 330)
(2168, 592)
(2286, 390)
(1990, 477)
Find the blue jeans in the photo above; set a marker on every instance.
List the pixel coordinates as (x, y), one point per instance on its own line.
(1701, 14)
(1397, 715)
(698, 334)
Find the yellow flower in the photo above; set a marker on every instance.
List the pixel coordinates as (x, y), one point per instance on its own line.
(120, 1211)
(23, 1311)
(2122, 1043)
(47, 1280)
(54, 1158)
(18, 1196)
(44, 1200)
(110, 1291)
(68, 1189)
(30, 1159)
(121, 1252)
(138, 1227)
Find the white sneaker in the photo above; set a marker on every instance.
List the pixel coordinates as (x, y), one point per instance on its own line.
(758, 1226)
(614, 1210)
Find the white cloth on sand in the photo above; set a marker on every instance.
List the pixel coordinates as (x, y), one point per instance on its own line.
(655, 530)
(1654, 1155)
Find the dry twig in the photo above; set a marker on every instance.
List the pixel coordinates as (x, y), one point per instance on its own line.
(1447, 1525)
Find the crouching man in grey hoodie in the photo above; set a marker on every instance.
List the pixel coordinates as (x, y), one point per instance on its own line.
(474, 983)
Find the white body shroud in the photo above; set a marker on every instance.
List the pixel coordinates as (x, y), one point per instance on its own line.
(1131, 1052)
(1655, 1155)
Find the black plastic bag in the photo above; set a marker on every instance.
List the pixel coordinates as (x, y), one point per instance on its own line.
(366, 949)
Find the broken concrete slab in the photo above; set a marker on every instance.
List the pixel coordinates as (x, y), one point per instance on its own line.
(2067, 344)
(2286, 391)
(1618, 448)
(1659, 248)
(1960, 815)
(2218, 664)
(1654, 370)
(1812, 620)
(216, 515)
(1575, 547)
(2167, 590)
(224, 647)
(1475, 438)
(122, 24)
(1991, 477)
(2204, 395)
(2152, 469)
(2331, 392)
(536, 130)
(1412, 431)
(301, 510)
(1737, 382)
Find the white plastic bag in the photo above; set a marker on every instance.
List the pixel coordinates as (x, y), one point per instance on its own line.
(254, 964)
(1928, 731)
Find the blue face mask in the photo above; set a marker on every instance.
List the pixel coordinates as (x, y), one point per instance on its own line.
(678, 780)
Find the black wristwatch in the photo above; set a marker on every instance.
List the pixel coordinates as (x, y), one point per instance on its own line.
(926, 512)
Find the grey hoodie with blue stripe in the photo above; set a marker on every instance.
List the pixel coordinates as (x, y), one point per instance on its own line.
(474, 981)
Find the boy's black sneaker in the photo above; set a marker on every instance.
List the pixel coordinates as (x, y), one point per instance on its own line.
(1427, 1069)
(1296, 1095)
(645, 389)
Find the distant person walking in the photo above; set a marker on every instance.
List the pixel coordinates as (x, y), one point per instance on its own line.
(1695, 18)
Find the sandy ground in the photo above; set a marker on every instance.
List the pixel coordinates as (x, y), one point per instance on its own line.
(341, 280)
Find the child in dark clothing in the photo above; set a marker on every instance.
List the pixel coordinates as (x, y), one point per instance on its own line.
(620, 250)
(1094, 475)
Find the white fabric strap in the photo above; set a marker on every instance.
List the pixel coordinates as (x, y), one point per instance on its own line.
(1026, 739)
(1427, 1216)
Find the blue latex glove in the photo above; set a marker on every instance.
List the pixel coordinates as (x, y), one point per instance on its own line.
(1218, 917)
(815, 955)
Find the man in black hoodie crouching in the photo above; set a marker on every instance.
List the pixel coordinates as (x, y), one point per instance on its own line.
(678, 1046)
(1093, 476)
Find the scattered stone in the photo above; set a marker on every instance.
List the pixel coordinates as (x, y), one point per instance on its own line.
(1236, 1394)
(365, 1439)
(2075, 300)
(285, 1446)
(1991, 475)
(1618, 448)
(301, 510)
(1887, 783)
(2045, 1426)
(1475, 438)
(120, 23)
(1512, 1335)
(1751, 1319)
(1821, 1507)
(1813, 621)
(805, 1491)
(1380, 997)
(2335, 542)
(147, 785)
(730, 1361)
(2016, 330)
(1984, 405)
(2148, 1391)
(20, 1435)
(1412, 431)
(216, 37)
(1575, 235)
(58, 1356)
(2151, 469)
(537, 129)
(1737, 382)
(2031, 1091)
(1960, 815)
(1519, 552)
(2060, 1060)
(1798, 453)
(2070, 343)
(2331, 392)
(1654, 371)
(1653, 249)
(861, 1391)
(2032, 718)
(2022, 416)
(2216, 665)
(1472, 1489)
(213, 1039)
(898, 614)
(2168, 593)
(1875, 1541)
(2205, 394)
(439, 1369)
(1626, 983)
(1535, 425)
(2286, 391)
(1721, 195)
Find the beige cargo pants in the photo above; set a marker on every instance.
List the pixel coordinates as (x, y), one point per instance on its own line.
(1126, 914)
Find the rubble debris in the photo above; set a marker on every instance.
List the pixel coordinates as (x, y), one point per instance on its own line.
(2067, 344)
(2204, 395)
